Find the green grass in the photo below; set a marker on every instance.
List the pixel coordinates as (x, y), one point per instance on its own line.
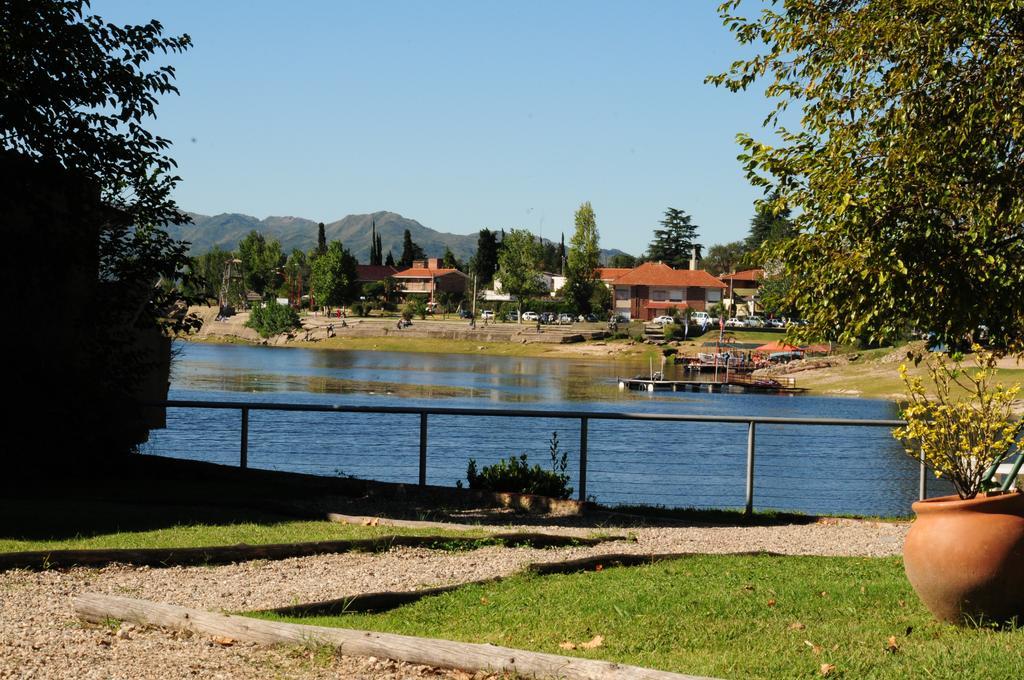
(724, 616)
(199, 535)
(77, 524)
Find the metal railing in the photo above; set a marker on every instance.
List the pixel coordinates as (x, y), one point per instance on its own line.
(582, 416)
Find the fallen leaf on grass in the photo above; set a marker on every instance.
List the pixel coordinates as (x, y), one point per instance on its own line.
(892, 647)
(796, 625)
(599, 567)
(814, 648)
(224, 641)
(771, 603)
(827, 669)
(567, 645)
(596, 642)
(484, 601)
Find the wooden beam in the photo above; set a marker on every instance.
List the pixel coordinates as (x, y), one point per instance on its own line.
(372, 521)
(437, 653)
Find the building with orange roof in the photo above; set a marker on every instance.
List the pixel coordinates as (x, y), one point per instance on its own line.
(428, 277)
(743, 288)
(654, 288)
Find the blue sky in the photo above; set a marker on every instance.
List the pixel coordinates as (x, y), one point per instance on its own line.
(461, 115)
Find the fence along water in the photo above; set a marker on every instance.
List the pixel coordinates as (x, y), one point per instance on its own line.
(614, 461)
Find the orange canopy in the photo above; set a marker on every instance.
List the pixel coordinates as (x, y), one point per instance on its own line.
(777, 346)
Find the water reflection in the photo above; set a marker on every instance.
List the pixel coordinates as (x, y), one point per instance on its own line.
(813, 469)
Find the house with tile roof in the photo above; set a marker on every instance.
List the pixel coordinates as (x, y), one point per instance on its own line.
(743, 288)
(372, 273)
(427, 277)
(654, 288)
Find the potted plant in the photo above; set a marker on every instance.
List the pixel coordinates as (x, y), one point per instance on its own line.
(964, 554)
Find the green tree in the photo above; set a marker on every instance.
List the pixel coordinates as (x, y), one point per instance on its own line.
(376, 251)
(673, 243)
(390, 261)
(450, 261)
(209, 272)
(906, 174)
(296, 274)
(768, 226)
(261, 263)
(410, 251)
(622, 260)
(724, 258)
(485, 262)
(321, 240)
(581, 277)
(335, 277)
(518, 267)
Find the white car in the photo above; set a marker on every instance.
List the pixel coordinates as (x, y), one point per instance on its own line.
(487, 315)
(755, 322)
(662, 320)
(530, 316)
(735, 323)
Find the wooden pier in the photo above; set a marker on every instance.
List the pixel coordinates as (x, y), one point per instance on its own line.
(734, 384)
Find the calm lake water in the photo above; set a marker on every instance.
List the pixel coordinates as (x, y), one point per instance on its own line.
(811, 469)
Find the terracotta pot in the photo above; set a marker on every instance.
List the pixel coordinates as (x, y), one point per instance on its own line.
(965, 559)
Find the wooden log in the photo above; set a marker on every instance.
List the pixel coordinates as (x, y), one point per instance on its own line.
(369, 521)
(437, 653)
(226, 554)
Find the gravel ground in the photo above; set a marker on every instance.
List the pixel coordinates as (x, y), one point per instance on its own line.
(40, 637)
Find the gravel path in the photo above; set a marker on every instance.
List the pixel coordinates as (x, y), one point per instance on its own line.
(40, 637)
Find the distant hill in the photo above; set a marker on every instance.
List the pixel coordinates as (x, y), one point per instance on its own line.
(227, 229)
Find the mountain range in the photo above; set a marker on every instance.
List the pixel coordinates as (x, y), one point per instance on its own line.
(227, 229)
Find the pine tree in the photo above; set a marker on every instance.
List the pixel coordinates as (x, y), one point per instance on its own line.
(390, 261)
(485, 261)
(410, 251)
(673, 243)
(321, 239)
(375, 249)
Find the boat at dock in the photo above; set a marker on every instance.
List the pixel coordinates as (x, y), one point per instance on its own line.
(734, 383)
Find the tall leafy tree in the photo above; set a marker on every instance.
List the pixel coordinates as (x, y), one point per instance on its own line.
(622, 260)
(410, 251)
(724, 258)
(519, 267)
(485, 262)
(581, 276)
(261, 263)
(335, 279)
(906, 177)
(390, 260)
(673, 243)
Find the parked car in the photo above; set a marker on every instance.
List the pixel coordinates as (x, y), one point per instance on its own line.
(662, 320)
(754, 322)
(591, 318)
(512, 316)
(487, 315)
(565, 319)
(465, 314)
(548, 317)
(735, 323)
(702, 319)
(530, 316)
(617, 318)
(775, 323)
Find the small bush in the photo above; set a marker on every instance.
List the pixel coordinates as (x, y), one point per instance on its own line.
(272, 318)
(515, 475)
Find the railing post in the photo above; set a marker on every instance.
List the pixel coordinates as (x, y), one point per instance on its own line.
(922, 480)
(243, 452)
(583, 459)
(749, 507)
(423, 449)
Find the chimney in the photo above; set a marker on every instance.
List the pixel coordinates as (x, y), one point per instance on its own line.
(695, 256)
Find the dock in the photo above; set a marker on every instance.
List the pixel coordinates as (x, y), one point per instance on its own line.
(736, 384)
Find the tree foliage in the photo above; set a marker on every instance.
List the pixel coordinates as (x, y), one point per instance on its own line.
(77, 93)
(376, 251)
(410, 251)
(271, 318)
(485, 262)
(725, 258)
(335, 279)
(907, 172)
(673, 243)
(519, 269)
(261, 263)
(583, 260)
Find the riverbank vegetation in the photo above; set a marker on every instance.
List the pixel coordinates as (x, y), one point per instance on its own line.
(716, 615)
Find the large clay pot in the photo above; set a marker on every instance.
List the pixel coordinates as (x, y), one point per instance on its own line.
(965, 559)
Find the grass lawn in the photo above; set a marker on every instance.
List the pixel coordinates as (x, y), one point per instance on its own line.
(77, 525)
(724, 616)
